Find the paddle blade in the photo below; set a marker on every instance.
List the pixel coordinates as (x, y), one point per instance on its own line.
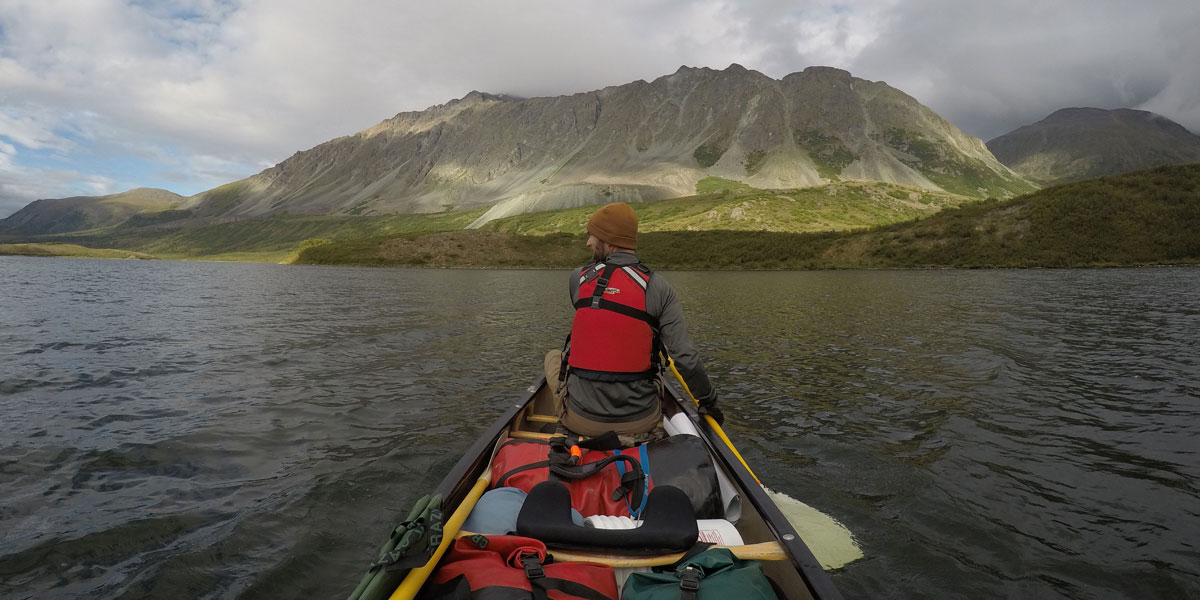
(830, 542)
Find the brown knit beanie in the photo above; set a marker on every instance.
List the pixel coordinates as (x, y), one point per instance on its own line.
(615, 224)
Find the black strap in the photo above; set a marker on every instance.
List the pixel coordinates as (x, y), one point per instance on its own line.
(601, 285)
(605, 441)
(513, 441)
(610, 376)
(573, 588)
(588, 469)
(617, 307)
(563, 365)
(529, 467)
(458, 588)
(696, 549)
(689, 583)
(631, 482)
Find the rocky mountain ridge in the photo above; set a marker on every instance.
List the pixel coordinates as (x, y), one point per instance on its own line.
(634, 142)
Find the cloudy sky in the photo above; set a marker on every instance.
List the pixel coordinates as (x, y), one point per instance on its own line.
(101, 96)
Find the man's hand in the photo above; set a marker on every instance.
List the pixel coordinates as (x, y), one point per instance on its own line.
(712, 411)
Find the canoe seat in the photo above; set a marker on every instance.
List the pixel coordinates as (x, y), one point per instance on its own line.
(541, 418)
(668, 522)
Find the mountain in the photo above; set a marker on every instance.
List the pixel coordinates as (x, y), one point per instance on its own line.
(634, 142)
(1082, 143)
(61, 215)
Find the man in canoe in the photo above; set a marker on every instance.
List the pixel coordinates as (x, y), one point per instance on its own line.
(624, 315)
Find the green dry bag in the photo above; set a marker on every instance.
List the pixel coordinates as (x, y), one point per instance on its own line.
(411, 545)
(714, 574)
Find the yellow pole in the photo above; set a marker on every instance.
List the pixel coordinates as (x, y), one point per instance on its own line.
(711, 421)
(760, 551)
(416, 578)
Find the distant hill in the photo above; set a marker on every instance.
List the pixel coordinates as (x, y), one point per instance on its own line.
(1082, 143)
(61, 215)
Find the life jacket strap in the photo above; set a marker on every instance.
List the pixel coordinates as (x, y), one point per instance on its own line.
(611, 376)
(617, 307)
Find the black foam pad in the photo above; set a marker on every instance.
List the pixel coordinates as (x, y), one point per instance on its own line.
(668, 523)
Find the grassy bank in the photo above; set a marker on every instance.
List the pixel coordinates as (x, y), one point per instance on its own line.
(68, 250)
(460, 249)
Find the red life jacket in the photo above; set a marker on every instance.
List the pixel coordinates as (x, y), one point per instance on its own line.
(613, 338)
(509, 566)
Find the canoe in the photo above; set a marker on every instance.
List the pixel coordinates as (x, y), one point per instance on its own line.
(766, 534)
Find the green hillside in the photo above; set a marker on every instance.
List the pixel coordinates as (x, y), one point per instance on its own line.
(1150, 217)
(268, 239)
(722, 204)
(61, 215)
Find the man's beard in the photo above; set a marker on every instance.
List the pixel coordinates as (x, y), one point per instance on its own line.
(598, 253)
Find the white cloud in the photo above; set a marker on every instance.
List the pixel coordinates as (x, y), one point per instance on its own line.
(20, 185)
(31, 127)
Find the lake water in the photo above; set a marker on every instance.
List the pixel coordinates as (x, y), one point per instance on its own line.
(216, 430)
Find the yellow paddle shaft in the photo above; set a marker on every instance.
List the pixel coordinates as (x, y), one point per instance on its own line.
(760, 551)
(416, 578)
(711, 421)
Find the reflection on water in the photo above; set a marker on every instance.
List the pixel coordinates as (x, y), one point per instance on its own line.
(226, 430)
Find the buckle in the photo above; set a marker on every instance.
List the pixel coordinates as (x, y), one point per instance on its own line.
(533, 568)
(689, 579)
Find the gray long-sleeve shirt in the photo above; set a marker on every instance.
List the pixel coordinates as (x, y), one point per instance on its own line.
(622, 401)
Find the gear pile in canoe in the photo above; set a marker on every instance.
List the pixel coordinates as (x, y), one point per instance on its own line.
(532, 511)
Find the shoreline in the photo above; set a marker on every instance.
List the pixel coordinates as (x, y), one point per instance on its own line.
(583, 261)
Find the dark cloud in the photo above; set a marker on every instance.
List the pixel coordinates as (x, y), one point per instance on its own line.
(992, 67)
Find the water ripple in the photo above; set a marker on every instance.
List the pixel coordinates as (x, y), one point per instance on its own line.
(224, 430)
